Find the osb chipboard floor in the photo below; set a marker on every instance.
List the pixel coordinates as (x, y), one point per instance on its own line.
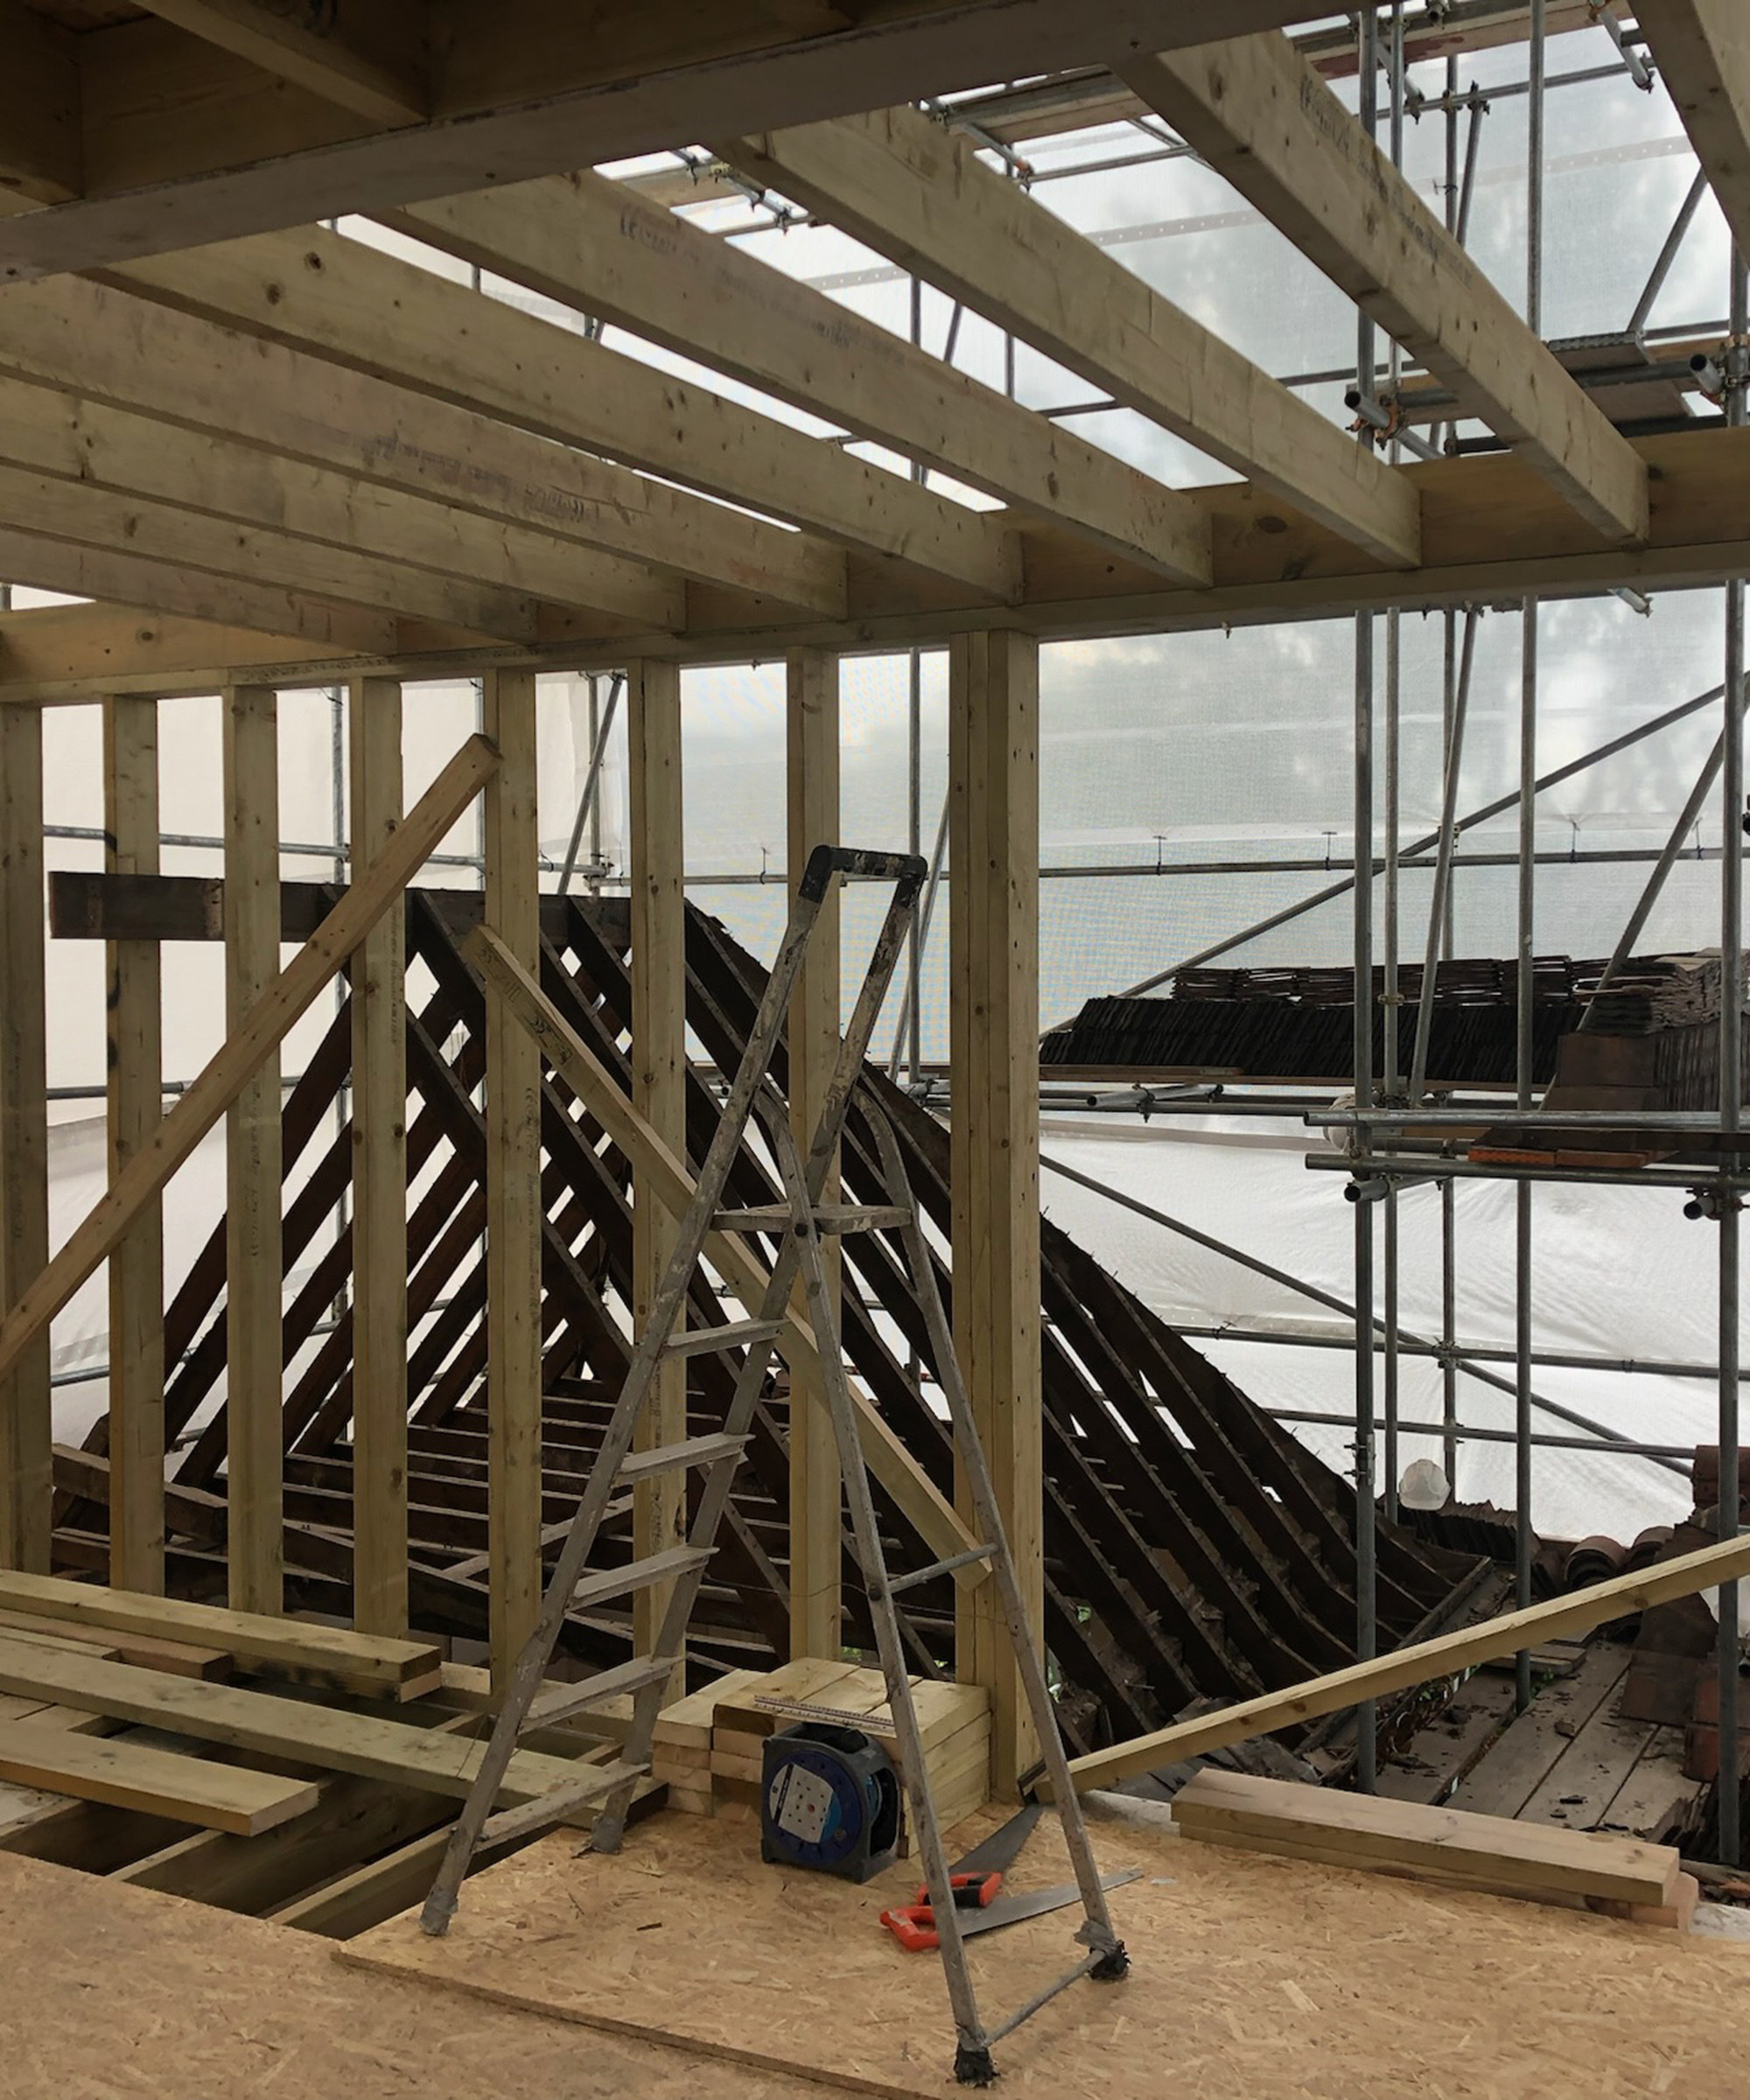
(1255, 1978)
(109, 1992)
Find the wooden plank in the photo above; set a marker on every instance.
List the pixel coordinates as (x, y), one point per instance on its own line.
(912, 1490)
(993, 1026)
(41, 159)
(369, 57)
(535, 81)
(1254, 110)
(917, 193)
(179, 1658)
(223, 603)
(1514, 1771)
(378, 1010)
(112, 448)
(99, 520)
(92, 340)
(318, 1655)
(513, 1212)
(135, 1107)
(320, 291)
(1703, 59)
(304, 1733)
(223, 1079)
(253, 1380)
(595, 246)
(27, 1432)
(658, 974)
(1368, 1831)
(1418, 1663)
(812, 806)
(156, 1782)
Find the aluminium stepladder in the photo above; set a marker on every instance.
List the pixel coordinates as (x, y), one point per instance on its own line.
(798, 1224)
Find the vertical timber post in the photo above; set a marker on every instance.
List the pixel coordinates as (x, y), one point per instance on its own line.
(253, 1327)
(135, 1107)
(378, 1003)
(815, 1488)
(659, 1077)
(512, 1123)
(993, 916)
(27, 1433)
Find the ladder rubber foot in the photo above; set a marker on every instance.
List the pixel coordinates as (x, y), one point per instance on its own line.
(435, 1915)
(973, 2067)
(1112, 1966)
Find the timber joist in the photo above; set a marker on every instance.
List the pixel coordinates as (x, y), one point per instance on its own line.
(290, 452)
(1192, 1550)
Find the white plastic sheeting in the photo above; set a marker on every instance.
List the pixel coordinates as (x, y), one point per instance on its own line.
(1617, 1272)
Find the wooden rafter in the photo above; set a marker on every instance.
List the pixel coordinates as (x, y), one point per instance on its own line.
(123, 453)
(188, 143)
(1493, 530)
(323, 293)
(1254, 110)
(593, 246)
(1703, 52)
(919, 194)
(369, 57)
(93, 341)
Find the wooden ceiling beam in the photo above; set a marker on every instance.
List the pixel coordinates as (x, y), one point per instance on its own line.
(919, 194)
(1703, 51)
(584, 241)
(1259, 116)
(515, 86)
(131, 455)
(369, 56)
(95, 518)
(91, 341)
(1493, 531)
(324, 293)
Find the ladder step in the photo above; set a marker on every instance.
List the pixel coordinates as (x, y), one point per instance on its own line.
(591, 1785)
(675, 1458)
(706, 1341)
(829, 1218)
(639, 1574)
(560, 1702)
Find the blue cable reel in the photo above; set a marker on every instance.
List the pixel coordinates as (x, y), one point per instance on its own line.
(829, 1801)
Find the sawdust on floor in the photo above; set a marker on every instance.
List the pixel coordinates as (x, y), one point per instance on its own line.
(1255, 1978)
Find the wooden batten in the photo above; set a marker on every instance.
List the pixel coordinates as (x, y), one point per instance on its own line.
(993, 903)
(659, 1094)
(513, 1212)
(25, 1431)
(816, 1533)
(135, 1107)
(378, 1008)
(252, 1156)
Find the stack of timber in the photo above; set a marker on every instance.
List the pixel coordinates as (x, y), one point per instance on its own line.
(319, 1791)
(954, 1723)
(1622, 1877)
(1144, 1441)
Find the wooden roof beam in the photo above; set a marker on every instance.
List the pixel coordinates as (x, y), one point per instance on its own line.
(1258, 113)
(324, 293)
(919, 194)
(1703, 50)
(127, 454)
(585, 243)
(91, 341)
(515, 88)
(369, 57)
(41, 160)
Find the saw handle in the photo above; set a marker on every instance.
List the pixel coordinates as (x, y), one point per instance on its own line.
(971, 1891)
